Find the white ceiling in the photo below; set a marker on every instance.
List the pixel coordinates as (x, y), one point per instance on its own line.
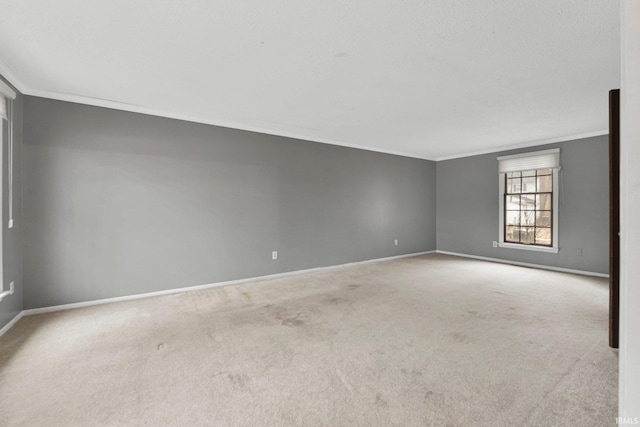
(430, 79)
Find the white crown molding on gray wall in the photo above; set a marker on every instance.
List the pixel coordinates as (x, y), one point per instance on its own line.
(11, 77)
(526, 145)
(7, 90)
(105, 103)
(454, 80)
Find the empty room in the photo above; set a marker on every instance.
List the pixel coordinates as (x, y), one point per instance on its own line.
(319, 213)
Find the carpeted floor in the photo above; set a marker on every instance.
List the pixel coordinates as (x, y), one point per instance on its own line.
(429, 340)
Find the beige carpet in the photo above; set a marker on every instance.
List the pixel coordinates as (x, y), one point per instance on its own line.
(430, 340)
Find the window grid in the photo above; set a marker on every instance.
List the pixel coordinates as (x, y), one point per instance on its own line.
(528, 207)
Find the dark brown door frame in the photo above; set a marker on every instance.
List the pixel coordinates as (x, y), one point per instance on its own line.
(614, 217)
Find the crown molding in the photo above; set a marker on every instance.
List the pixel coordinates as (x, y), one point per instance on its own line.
(105, 103)
(6, 90)
(525, 145)
(11, 77)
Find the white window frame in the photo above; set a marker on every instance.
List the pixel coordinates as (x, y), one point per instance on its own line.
(554, 249)
(10, 95)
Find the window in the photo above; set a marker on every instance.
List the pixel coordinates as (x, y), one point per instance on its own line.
(6, 137)
(528, 185)
(7, 95)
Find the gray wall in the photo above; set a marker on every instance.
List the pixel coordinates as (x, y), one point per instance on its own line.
(119, 203)
(11, 238)
(467, 207)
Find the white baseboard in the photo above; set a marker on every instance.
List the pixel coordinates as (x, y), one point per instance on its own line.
(50, 309)
(41, 310)
(526, 264)
(12, 322)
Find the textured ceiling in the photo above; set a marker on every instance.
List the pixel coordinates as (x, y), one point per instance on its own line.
(429, 79)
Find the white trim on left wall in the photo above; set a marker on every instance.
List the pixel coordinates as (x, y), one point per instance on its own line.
(12, 322)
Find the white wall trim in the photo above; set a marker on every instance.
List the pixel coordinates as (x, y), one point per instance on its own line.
(526, 264)
(532, 154)
(114, 105)
(34, 311)
(7, 91)
(12, 322)
(11, 77)
(50, 309)
(522, 247)
(122, 106)
(97, 102)
(526, 145)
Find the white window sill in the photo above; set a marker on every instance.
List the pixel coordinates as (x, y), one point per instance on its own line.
(528, 247)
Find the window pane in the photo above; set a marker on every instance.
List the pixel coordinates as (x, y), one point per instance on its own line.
(528, 218)
(545, 183)
(513, 185)
(512, 234)
(513, 203)
(544, 202)
(529, 185)
(527, 235)
(543, 219)
(513, 218)
(528, 203)
(543, 236)
(528, 214)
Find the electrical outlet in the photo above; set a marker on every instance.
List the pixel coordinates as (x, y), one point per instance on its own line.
(12, 288)
(579, 252)
(395, 242)
(495, 244)
(274, 255)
